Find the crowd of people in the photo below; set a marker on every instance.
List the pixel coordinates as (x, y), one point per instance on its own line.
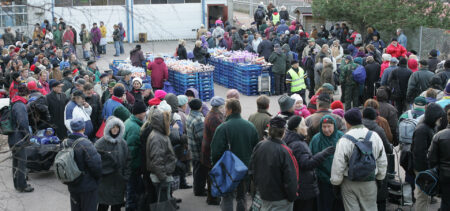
(131, 139)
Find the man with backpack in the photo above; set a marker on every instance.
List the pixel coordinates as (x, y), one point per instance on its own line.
(18, 139)
(259, 15)
(359, 164)
(83, 189)
(350, 86)
(421, 142)
(398, 82)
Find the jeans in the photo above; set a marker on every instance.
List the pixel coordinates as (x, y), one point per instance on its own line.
(227, 200)
(19, 170)
(122, 51)
(200, 174)
(117, 47)
(86, 201)
(135, 188)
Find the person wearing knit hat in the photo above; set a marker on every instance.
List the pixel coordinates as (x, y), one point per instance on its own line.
(286, 104)
(217, 101)
(339, 111)
(159, 96)
(357, 195)
(182, 100)
(350, 86)
(139, 107)
(136, 91)
(300, 109)
(337, 104)
(164, 106)
(232, 93)
(446, 99)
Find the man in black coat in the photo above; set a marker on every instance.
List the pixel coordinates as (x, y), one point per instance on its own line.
(372, 76)
(423, 134)
(401, 76)
(93, 100)
(439, 157)
(274, 169)
(265, 48)
(56, 102)
(18, 139)
(433, 60)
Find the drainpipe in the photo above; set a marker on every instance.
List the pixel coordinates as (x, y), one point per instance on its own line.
(128, 19)
(53, 11)
(132, 22)
(204, 13)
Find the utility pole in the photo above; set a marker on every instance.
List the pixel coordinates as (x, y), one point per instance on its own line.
(230, 11)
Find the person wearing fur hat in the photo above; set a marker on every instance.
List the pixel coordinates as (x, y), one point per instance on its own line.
(398, 80)
(132, 130)
(113, 151)
(357, 195)
(300, 108)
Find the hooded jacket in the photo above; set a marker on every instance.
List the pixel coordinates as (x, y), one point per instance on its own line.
(396, 52)
(423, 135)
(307, 163)
(320, 142)
(137, 57)
(159, 73)
(132, 129)
(279, 61)
(311, 126)
(161, 158)
(115, 164)
(19, 121)
(205, 108)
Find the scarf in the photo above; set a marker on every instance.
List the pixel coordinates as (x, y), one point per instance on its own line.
(117, 99)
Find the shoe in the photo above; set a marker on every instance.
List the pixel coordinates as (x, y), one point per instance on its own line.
(213, 202)
(27, 189)
(185, 186)
(200, 194)
(116, 55)
(178, 200)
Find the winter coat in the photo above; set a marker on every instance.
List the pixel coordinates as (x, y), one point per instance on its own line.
(260, 120)
(372, 73)
(127, 84)
(115, 164)
(265, 49)
(432, 63)
(237, 42)
(344, 150)
(212, 121)
(96, 35)
(307, 163)
(211, 42)
(396, 51)
(302, 112)
(237, 133)
(8, 39)
(279, 62)
(205, 108)
(423, 135)
(346, 76)
(417, 83)
(96, 115)
(56, 103)
(181, 52)
(319, 143)
(402, 40)
(218, 31)
(384, 66)
(327, 75)
(200, 55)
(373, 126)
(109, 107)
(194, 130)
(161, 158)
(284, 15)
(88, 161)
(137, 57)
(379, 44)
(443, 76)
(37, 110)
(315, 49)
(57, 37)
(75, 111)
(401, 74)
(159, 73)
(274, 171)
(19, 121)
(311, 125)
(438, 155)
(387, 111)
(132, 129)
(116, 36)
(282, 28)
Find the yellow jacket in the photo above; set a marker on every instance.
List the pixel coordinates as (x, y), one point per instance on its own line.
(103, 31)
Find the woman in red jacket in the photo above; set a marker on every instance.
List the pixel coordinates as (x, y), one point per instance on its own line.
(395, 49)
(159, 72)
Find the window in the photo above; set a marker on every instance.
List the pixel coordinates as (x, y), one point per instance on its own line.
(13, 13)
(99, 2)
(193, 1)
(159, 1)
(141, 1)
(63, 3)
(175, 1)
(116, 2)
(81, 3)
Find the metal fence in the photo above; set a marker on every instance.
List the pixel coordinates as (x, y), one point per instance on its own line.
(424, 39)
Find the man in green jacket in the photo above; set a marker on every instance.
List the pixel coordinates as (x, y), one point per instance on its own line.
(278, 59)
(135, 186)
(242, 137)
(261, 118)
(419, 81)
(350, 87)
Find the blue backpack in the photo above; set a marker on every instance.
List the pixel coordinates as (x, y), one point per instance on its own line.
(428, 181)
(359, 74)
(362, 164)
(227, 174)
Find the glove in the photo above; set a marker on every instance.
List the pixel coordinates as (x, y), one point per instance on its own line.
(329, 150)
(337, 191)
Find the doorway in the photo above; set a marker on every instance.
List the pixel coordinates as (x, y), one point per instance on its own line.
(215, 11)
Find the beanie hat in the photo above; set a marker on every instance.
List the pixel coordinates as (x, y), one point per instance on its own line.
(328, 86)
(420, 101)
(370, 113)
(285, 103)
(138, 80)
(434, 53)
(413, 65)
(139, 107)
(122, 113)
(32, 85)
(402, 61)
(339, 112)
(77, 124)
(277, 122)
(217, 101)
(160, 94)
(353, 117)
(182, 100)
(447, 89)
(195, 104)
(233, 93)
(297, 97)
(294, 122)
(118, 91)
(324, 97)
(337, 105)
(164, 106)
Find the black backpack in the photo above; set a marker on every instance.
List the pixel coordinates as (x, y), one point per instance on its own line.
(259, 14)
(362, 162)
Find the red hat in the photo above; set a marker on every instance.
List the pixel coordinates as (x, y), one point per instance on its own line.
(74, 72)
(32, 67)
(17, 49)
(412, 65)
(337, 104)
(32, 85)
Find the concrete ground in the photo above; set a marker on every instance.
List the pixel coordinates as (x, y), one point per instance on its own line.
(50, 194)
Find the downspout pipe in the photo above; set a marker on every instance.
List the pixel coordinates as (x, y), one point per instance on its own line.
(128, 19)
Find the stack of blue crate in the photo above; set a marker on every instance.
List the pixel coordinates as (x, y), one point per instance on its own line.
(202, 81)
(246, 79)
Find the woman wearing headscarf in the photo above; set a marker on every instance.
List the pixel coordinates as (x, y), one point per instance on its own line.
(113, 150)
(307, 163)
(327, 136)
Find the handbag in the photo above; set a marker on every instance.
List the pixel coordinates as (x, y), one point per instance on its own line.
(103, 41)
(100, 130)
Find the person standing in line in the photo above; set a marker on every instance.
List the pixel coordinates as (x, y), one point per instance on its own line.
(240, 137)
(102, 49)
(96, 36)
(278, 59)
(116, 39)
(121, 37)
(261, 118)
(350, 85)
(83, 191)
(56, 102)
